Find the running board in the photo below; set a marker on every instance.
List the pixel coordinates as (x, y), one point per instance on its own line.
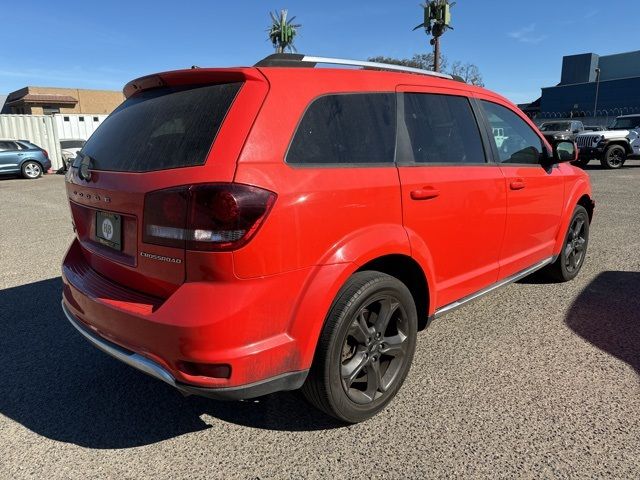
(481, 293)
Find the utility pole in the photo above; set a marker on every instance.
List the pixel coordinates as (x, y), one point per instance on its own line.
(437, 18)
(595, 106)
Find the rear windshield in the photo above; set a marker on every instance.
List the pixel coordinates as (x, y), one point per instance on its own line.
(163, 128)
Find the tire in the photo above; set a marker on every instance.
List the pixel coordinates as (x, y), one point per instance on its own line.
(614, 157)
(582, 162)
(31, 170)
(360, 364)
(574, 248)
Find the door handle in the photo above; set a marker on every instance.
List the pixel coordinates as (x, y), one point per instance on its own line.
(517, 184)
(424, 193)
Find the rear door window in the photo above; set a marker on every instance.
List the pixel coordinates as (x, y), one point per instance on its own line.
(163, 128)
(440, 129)
(346, 129)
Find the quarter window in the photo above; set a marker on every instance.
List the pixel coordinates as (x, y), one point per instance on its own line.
(346, 129)
(515, 140)
(439, 129)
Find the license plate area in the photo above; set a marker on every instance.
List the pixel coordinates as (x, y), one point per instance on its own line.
(109, 229)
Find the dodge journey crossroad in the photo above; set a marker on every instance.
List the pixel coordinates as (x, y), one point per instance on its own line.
(241, 231)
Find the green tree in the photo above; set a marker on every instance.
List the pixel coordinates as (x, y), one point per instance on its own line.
(469, 72)
(282, 32)
(419, 60)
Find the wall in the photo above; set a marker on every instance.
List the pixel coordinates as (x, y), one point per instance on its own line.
(46, 131)
(619, 95)
(88, 101)
(38, 129)
(621, 65)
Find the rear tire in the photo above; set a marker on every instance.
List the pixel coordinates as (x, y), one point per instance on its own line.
(365, 349)
(614, 157)
(574, 249)
(31, 170)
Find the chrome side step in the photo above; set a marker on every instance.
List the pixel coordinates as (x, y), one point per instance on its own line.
(474, 296)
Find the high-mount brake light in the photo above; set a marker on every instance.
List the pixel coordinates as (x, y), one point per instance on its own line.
(206, 217)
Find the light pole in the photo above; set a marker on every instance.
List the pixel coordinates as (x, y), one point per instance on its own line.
(595, 106)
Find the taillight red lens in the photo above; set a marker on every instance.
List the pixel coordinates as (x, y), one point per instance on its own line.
(165, 217)
(205, 217)
(46, 154)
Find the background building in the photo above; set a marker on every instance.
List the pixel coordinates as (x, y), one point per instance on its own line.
(600, 87)
(49, 100)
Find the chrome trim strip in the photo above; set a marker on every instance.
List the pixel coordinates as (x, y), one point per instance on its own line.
(381, 66)
(474, 296)
(132, 359)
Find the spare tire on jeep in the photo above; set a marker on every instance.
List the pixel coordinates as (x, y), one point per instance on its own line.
(614, 157)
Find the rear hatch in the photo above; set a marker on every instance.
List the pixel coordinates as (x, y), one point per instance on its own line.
(174, 130)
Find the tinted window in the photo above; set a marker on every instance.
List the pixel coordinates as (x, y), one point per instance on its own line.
(161, 128)
(7, 146)
(72, 143)
(440, 129)
(24, 145)
(514, 138)
(351, 128)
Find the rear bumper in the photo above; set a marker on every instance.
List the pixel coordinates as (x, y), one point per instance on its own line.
(286, 381)
(244, 324)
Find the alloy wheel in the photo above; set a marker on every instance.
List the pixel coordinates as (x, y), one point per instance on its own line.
(32, 170)
(374, 350)
(615, 159)
(576, 242)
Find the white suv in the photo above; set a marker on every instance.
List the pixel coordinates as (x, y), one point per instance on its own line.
(612, 146)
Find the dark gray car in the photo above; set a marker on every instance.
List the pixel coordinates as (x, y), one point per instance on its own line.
(561, 130)
(23, 158)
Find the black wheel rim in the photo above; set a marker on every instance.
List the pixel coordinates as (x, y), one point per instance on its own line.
(615, 159)
(374, 350)
(576, 244)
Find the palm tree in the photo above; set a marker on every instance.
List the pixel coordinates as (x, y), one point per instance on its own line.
(437, 18)
(282, 31)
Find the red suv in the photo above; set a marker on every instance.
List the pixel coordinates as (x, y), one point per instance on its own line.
(246, 230)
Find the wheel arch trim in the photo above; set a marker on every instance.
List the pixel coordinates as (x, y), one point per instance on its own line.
(579, 191)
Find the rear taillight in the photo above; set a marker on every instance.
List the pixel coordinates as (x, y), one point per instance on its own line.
(208, 217)
(46, 154)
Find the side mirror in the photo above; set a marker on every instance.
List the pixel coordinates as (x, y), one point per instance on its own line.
(565, 152)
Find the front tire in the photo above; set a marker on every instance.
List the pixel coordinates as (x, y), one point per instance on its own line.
(31, 170)
(574, 249)
(365, 349)
(614, 157)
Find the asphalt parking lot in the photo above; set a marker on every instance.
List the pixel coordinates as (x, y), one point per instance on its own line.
(536, 380)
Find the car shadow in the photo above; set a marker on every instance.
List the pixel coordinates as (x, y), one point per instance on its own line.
(59, 386)
(607, 315)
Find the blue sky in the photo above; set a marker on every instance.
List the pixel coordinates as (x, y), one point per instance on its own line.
(518, 45)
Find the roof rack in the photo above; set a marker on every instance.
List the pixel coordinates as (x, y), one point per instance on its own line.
(297, 60)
